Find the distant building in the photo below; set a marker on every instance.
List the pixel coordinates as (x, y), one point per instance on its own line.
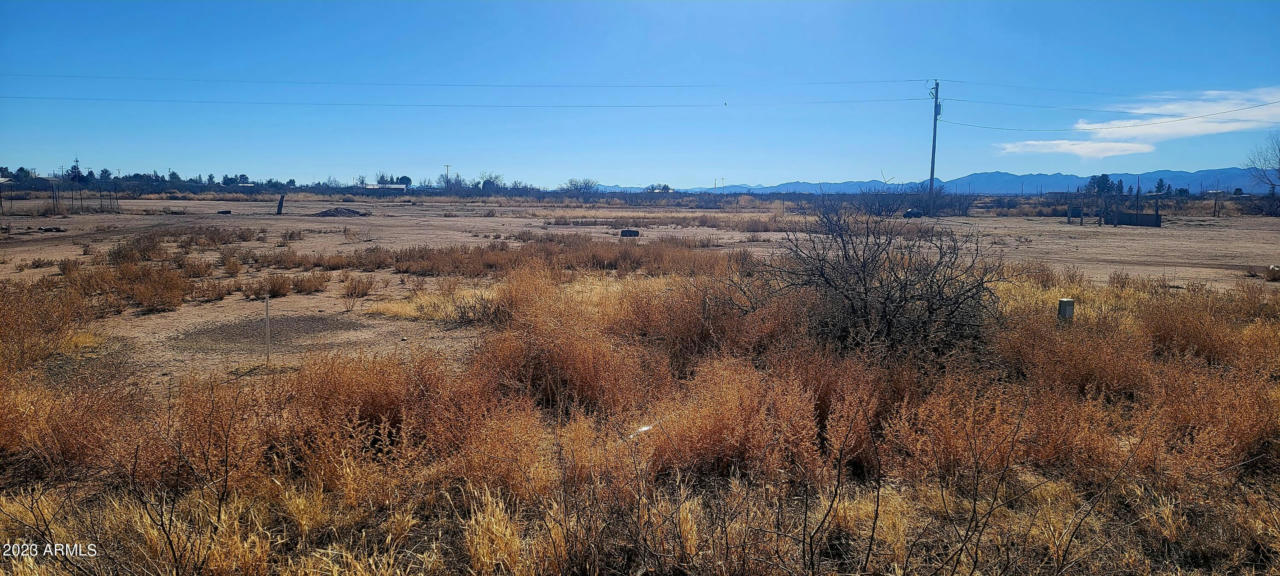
(400, 187)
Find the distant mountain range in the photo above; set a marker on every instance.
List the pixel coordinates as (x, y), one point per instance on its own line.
(1005, 183)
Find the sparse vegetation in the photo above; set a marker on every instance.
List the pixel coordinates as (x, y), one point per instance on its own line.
(315, 281)
(877, 397)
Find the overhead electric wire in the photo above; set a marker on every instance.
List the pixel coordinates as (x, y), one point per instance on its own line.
(1125, 127)
(1036, 88)
(444, 105)
(579, 85)
(1055, 107)
(347, 104)
(675, 105)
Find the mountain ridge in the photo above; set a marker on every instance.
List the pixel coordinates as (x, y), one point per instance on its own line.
(1005, 183)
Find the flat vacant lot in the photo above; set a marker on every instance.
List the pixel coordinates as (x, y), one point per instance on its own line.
(1217, 251)
(505, 387)
(229, 332)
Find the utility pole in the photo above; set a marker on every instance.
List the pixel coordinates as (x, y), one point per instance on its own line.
(446, 172)
(933, 154)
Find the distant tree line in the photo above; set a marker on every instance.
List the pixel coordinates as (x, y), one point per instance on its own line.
(881, 202)
(385, 184)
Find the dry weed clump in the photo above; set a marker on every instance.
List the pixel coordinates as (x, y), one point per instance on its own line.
(1189, 325)
(1091, 358)
(562, 363)
(54, 432)
(230, 260)
(310, 283)
(357, 286)
(1200, 422)
(196, 267)
(214, 290)
(147, 246)
(272, 285)
(733, 420)
(36, 321)
(155, 288)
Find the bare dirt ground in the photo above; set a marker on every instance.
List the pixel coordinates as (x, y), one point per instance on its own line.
(228, 335)
(1215, 251)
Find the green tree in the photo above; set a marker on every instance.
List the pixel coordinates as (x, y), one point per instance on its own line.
(74, 174)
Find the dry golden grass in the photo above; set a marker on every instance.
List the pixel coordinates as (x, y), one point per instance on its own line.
(664, 410)
(452, 304)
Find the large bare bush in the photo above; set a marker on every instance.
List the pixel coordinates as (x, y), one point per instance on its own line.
(888, 284)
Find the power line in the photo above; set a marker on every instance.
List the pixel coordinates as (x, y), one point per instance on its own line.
(346, 104)
(1127, 126)
(599, 85)
(1054, 107)
(1038, 88)
(349, 83)
(442, 105)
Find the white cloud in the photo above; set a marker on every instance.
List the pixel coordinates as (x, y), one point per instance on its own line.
(1081, 148)
(1165, 116)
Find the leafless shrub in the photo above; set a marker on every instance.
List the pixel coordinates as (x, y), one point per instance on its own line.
(880, 284)
(882, 203)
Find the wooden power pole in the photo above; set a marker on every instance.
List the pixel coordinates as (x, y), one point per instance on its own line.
(933, 153)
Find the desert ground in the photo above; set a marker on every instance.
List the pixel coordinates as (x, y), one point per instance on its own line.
(507, 387)
(1213, 251)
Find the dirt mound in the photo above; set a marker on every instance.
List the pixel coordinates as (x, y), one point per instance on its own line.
(339, 213)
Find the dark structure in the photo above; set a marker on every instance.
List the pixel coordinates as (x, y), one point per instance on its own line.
(1118, 218)
(629, 233)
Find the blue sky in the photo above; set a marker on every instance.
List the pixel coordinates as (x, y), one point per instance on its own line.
(311, 90)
